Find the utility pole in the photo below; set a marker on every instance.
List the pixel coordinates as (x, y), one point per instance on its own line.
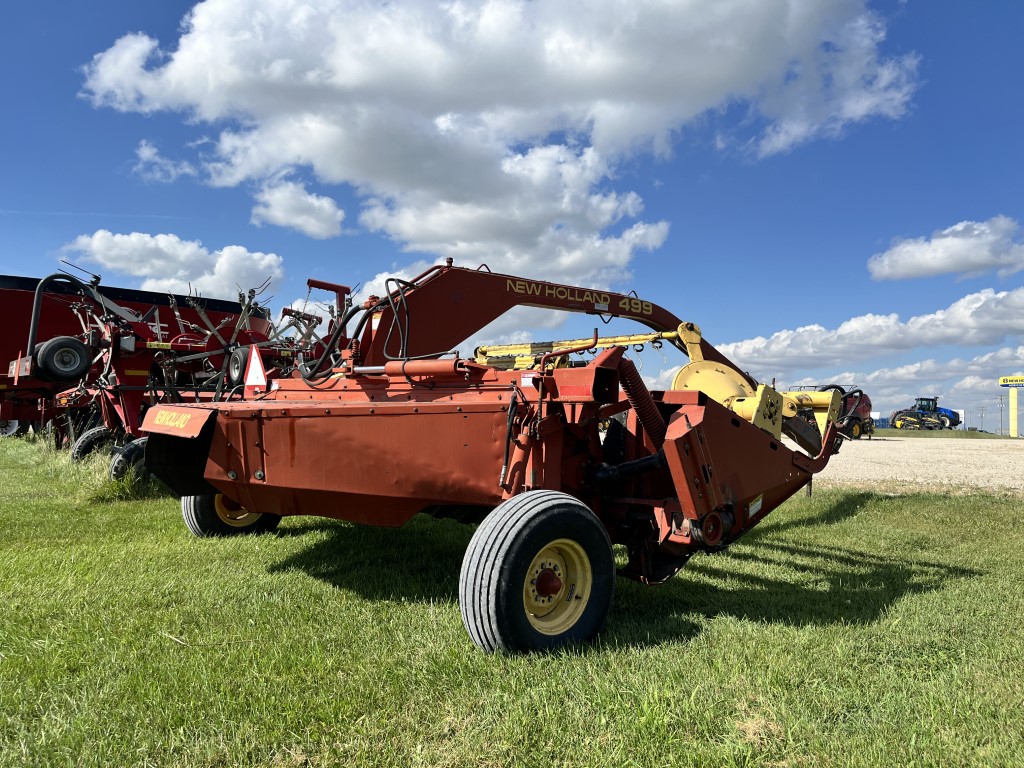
(1001, 397)
(981, 413)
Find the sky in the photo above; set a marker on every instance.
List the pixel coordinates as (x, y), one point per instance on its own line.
(831, 190)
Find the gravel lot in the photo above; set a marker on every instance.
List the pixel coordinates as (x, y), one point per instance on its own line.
(945, 464)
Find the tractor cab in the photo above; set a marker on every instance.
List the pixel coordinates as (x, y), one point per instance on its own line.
(926, 404)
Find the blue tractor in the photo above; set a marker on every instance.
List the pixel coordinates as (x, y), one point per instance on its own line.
(925, 414)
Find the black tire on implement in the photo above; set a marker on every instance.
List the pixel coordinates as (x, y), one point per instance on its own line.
(237, 364)
(129, 461)
(538, 574)
(63, 358)
(214, 514)
(92, 440)
(12, 427)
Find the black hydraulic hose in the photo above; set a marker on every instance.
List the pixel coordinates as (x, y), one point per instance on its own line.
(649, 463)
(311, 375)
(403, 325)
(362, 320)
(841, 390)
(859, 393)
(513, 405)
(845, 398)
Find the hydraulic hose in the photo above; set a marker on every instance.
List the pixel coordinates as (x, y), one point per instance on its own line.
(332, 341)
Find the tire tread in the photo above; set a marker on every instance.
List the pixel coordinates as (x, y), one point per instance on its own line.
(488, 550)
(200, 516)
(89, 441)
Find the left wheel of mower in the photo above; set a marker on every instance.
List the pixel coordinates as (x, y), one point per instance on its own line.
(215, 514)
(538, 574)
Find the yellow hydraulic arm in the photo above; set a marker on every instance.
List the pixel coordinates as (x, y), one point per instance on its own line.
(528, 354)
(764, 407)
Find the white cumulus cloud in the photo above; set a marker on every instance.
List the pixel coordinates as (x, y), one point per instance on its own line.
(959, 384)
(493, 130)
(152, 166)
(168, 263)
(969, 248)
(288, 204)
(985, 317)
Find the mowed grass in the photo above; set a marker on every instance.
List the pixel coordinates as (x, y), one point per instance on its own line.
(851, 628)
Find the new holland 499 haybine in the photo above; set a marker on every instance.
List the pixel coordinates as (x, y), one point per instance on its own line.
(557, 459)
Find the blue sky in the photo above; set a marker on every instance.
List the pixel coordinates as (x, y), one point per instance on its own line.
(830, 190)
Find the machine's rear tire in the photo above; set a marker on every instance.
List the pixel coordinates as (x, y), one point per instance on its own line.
(538, 574)
(214, 514)
(92, 440)
(63, 358)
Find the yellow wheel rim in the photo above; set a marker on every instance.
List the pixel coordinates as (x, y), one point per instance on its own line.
(233, 514)
(855, 430)
(557, 587)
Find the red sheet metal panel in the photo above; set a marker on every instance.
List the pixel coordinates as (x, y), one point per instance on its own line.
(375, 463)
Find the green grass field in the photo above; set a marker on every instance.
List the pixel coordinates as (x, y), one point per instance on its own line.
(851, 628)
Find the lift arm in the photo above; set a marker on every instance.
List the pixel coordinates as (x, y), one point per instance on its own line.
(468, 300)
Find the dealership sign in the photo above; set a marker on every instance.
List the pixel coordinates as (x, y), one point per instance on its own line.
(1011, 381)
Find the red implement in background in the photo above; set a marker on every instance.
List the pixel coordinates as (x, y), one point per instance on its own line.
(27, 393)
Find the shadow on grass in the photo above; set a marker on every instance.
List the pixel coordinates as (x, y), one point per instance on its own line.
(780, 583)
(846, 507)
(419, 561)
(773, 580)
(777, 582)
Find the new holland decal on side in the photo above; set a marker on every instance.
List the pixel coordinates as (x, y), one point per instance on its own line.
(598, 299)
(174, 419)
